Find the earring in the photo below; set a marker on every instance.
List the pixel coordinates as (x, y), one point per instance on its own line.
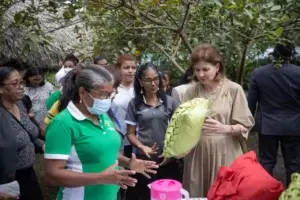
(142, 91)
(80, 101)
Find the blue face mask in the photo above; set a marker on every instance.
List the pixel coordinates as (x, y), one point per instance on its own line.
(100, 106)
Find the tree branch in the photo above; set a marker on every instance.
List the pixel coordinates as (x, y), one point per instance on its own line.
(186, 41)
(63, 26)
(115, 6)
(169, 57)
(186, 14)
(172, 19)
(177, 47)
(149, 18)
(147, 27)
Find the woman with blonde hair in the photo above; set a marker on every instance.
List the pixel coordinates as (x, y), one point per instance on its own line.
(226, 127)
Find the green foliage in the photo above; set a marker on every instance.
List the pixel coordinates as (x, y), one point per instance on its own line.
(169, 29)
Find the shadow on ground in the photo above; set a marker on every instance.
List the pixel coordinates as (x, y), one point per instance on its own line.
(50, 192)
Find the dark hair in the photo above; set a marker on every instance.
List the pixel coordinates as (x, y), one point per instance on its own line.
(87, 77)
(97, 59)
(5, 72)
(72, 58)
(122, 58)
(33, 71)
(187, 77)
(210, 54)
(139, 99)
(164, 75)
(284, 51)
(116, 72)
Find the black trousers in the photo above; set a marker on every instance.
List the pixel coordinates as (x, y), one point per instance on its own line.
(171, 170)
(128, 150)
(290, 147)
(29, 186)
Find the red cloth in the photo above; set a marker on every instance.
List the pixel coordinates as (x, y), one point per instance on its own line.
(245, 179)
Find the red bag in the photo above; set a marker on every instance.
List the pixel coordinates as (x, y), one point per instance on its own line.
(245, 179)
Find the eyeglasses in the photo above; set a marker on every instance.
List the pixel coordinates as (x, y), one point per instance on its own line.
(106, 95)
(16, 84)
(149, 80)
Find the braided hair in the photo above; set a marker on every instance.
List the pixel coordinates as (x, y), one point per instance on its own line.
(139, 91)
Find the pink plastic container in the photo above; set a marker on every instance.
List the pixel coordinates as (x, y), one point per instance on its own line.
(167, 189)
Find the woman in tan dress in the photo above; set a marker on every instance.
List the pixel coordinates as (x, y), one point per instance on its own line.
(226, 127)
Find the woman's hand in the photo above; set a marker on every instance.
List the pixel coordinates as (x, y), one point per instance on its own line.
(214, 126)
(118, 177)
(148, 151)
(142, 166)
(7, 197)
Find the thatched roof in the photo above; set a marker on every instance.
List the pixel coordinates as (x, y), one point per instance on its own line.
(64, 40)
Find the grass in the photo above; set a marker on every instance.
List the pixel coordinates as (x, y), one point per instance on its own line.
(49, 192)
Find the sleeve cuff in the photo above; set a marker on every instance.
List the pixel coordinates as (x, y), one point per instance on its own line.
(56, 156)
(130, 123)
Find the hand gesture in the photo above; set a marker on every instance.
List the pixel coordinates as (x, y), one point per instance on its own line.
(142, 166)
(148, 151)
(118, 177)
(214, 126)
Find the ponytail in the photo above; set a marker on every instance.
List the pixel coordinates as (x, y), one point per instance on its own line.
(69, 91)
(87, 77)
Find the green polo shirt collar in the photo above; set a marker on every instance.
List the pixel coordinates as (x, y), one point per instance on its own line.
(75, 112)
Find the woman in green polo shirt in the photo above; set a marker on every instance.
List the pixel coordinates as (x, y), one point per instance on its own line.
(82, 145)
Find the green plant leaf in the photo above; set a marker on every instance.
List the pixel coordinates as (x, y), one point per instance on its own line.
(279, 31)
(18, 17)
(275, 8)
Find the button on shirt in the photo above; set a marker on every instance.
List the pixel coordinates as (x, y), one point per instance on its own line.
(151, 122)
(119, 108)
(86, 147)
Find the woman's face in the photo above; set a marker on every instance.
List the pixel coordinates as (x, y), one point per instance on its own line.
(206, 72)
(105, 91)
(13, 87)
(36, 80)
(69, 64)
(166, 81)
(128, 70)
(102, 63)
(150, 81)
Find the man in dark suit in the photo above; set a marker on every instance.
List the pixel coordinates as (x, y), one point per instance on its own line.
(275, 89)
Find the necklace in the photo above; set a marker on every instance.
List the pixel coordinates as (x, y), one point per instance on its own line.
(213, 96)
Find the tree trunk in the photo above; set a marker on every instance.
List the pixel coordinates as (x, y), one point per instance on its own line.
(240, 70)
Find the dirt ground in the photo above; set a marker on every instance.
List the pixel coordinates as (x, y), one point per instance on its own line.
(50, 192)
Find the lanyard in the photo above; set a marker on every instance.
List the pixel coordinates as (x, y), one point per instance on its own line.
(113, 117)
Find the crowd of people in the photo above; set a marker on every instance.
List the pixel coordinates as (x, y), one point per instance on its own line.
(102, 130)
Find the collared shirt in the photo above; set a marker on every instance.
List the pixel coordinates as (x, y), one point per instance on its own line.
(119, 108)
(151, 122)
(87, 148)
